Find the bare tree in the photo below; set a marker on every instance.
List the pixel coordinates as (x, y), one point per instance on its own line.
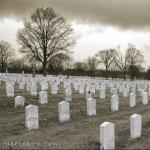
(6, 54)
(16, 65)
(57, 65)
(46, 36)
(80, 67)
(135, 71)
(92, 64)
(147, 74)
(31, 61)
(132, 57)
(105, 57)
(114, 71)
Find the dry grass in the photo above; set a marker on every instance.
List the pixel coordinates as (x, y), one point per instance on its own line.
(81, 132)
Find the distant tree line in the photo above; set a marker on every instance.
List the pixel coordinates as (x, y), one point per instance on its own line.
(108, 63)
(112, 63)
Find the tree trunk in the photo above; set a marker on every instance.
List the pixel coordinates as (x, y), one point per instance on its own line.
(106, 73)
(94, 74)
(33, 72)
(3, 68)
(124, 75)
(44, 69)
(91, 74)
(132, 77)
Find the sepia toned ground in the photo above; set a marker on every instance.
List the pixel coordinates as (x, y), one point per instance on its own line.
(81, 132)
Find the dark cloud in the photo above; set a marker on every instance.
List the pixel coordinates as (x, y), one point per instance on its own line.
(19, 8)
(122, 13)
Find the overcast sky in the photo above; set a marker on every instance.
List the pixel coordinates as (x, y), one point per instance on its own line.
(100, 24)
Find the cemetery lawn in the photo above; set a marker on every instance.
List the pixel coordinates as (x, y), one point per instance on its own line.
(81, 132)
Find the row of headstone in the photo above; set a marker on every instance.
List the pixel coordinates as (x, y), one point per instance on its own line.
(132, 101)
(107, 129)
(79, 84)
(43, 99)
(30, 85)
(91, 103)
(107, 132)
(63, 110)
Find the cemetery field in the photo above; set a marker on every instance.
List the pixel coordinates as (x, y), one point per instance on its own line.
(80, 132)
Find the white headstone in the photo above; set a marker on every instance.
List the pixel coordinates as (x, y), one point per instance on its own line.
(135, 126)
(54, 88)
(33, 90)
(43, 98)
(107, 136)
(31, 117)
(142, 91)
(10, 90)
(102, 92)
(64, 112)
(68, 94)
(149, 91)
(28, 86)
(91, 107)
(44, 86)
(21, 85)
(145, 98)
(114, 103)
(81, 88)
(19, 101)
(93, 88)
(120, 88)
(132, 100)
